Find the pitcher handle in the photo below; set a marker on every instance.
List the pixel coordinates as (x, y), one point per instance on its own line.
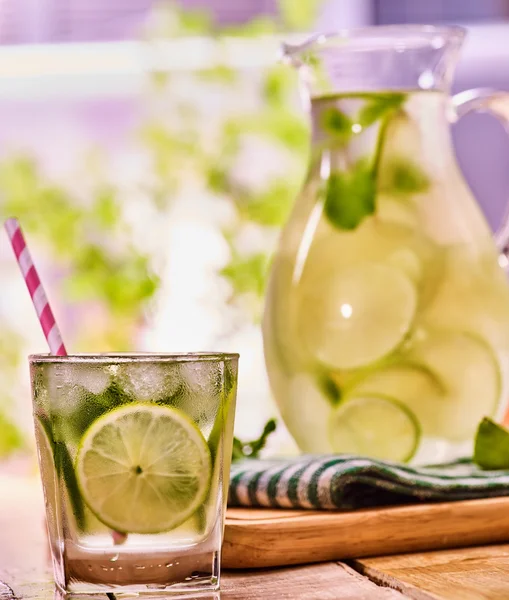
(495, 103)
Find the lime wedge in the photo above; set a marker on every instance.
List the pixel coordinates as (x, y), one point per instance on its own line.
(491, 446)
(143, 468)
(374, 426)
(365, 313)
(468, 370)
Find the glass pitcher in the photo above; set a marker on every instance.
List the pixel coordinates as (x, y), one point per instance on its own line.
(386, 327)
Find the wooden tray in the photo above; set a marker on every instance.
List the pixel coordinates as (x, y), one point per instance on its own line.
(257, 538)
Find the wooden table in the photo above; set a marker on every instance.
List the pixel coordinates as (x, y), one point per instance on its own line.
(468, 574)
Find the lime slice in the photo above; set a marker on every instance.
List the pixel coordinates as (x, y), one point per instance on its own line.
(468, 370)
(414, 385)
(491, 446)
(375, 426)
(364, 313)
(472, 296)
(143, 468)
(375, 241)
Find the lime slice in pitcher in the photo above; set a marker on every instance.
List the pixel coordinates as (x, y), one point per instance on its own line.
(468, 370)
(414, 385)
(361, 314)
(143, 468)
(375, 426)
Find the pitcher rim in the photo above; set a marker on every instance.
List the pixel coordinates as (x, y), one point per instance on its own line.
(449, 32)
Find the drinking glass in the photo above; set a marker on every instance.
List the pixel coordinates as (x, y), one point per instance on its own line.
(134, 453)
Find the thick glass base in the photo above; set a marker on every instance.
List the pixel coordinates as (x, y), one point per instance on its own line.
(191, 573)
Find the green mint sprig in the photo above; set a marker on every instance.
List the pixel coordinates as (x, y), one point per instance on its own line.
(252, 449)
(350, 195)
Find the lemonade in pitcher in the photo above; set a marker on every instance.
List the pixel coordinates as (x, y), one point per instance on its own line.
(386, 327)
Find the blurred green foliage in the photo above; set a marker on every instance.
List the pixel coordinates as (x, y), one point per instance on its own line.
(79, 235)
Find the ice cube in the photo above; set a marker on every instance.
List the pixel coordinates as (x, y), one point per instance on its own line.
(200, 397)
(69, 386)
(202, 378)
(94, 379)
(149, 382)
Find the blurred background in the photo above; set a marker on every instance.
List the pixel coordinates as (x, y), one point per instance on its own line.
(152, 151)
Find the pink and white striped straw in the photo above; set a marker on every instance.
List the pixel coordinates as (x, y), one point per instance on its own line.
(34, 285)
(42, 307)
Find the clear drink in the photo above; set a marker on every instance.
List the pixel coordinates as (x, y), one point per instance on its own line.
(134, 454)
(387, 319)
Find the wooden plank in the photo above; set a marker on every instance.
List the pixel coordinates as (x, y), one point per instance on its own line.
(261, 514)
(264, 538)
(27, 584)
(25, 569)
(469, 574)
(6, 592)
(329, 581)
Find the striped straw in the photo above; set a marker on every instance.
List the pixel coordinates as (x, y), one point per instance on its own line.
(42, 307)
(34, 285)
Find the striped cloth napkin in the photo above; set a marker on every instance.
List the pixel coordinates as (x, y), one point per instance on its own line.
(346, 481)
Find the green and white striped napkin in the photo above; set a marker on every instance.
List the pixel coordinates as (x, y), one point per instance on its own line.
(345, 481)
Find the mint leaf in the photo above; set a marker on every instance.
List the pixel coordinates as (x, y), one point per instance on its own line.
(402, 176)
(114, 395)
(378, 107)
(350, 196)
(491, 450)
(337, 124)
(229, 391)
(89, 408)
(176, 398)
(252, 449)
(65, 469)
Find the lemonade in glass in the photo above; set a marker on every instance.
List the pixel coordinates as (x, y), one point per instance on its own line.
(134, 453)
